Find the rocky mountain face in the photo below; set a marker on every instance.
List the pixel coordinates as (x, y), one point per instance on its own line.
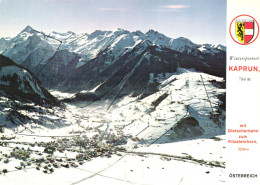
(109, 61)
(18, 83)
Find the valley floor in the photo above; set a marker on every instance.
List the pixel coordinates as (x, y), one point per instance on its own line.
(137, 168)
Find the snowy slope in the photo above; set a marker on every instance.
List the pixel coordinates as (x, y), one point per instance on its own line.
(181, 95)
(157, 38)
(182, 44)
(18, 83)
(150, 63)
(19, 47)
(116, 42)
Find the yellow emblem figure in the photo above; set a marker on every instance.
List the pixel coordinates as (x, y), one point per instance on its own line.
(240, 31)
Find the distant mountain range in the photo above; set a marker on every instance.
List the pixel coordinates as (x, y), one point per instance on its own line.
(109, 61)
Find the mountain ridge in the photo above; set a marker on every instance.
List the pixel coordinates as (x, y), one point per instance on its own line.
(71, 62)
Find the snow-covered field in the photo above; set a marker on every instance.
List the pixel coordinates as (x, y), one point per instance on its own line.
(136, 141)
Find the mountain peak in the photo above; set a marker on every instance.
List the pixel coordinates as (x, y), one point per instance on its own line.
(139, 33)
(221, 47)
(121, 31)
(97, 33)
(183, 40)
(70, 32)
(27, 29)
(62, 34)
(151, 31)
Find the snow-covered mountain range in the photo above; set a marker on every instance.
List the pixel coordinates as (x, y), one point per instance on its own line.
(104, 60)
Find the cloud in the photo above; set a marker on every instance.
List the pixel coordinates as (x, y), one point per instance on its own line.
(175, 6)
(170, 8)
(58, 0)
(110, 9)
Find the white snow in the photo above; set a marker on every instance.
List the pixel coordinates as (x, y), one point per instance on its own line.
(181, 43)
(202, 48)
(157, 38)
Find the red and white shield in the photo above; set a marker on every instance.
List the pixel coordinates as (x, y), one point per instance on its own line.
(249, 31)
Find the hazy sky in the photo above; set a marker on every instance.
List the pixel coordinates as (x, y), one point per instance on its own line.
(202, 21)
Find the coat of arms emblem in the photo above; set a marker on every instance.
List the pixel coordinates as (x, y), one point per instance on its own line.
(244, 31)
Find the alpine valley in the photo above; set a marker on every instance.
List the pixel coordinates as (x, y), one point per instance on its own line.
(77, 104)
